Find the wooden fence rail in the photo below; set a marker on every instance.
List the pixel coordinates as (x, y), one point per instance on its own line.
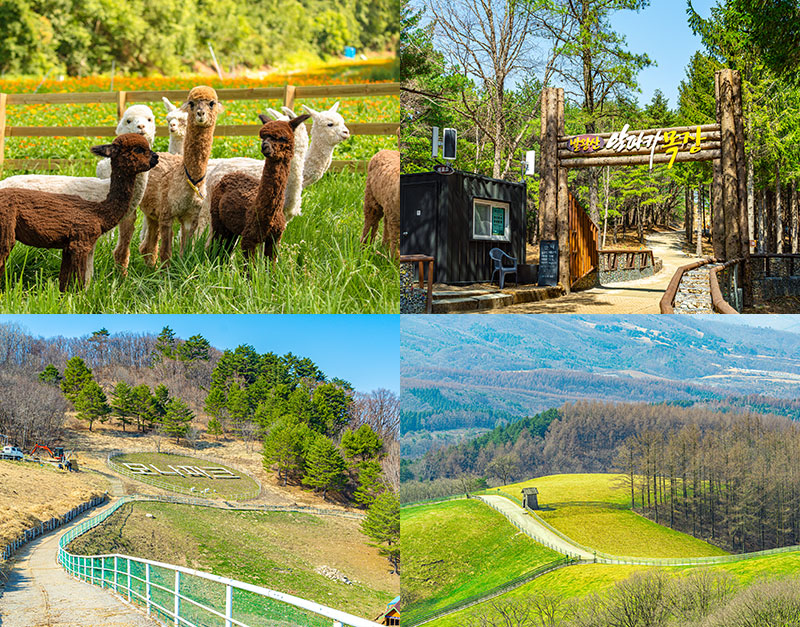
(288, 95)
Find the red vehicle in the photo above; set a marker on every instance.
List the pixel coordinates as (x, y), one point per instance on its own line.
(57, 453)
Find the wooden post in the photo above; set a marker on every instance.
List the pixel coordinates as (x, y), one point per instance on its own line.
(730, 184)
(548, 175)
(3, 98)
(717, 215)
(741, 164)
(288, 96)
(562, 204)
(121, 100)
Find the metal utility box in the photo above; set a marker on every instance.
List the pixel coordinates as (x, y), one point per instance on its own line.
(458, 218)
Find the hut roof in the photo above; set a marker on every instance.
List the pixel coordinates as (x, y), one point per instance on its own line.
(530, 491)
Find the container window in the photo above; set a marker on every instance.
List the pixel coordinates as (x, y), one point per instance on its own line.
(490, 220)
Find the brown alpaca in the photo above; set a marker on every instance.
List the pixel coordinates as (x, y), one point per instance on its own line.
(69, 222)
(177, 186)
(382, 199)
(243, 205)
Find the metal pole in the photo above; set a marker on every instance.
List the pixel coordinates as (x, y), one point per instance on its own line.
(177, 598)
(228, 605)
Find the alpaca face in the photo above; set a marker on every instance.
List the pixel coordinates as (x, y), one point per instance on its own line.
(202, 106)
(328, 126)
(129, 152)
(277, 140)
(176, 119)
(138, 119)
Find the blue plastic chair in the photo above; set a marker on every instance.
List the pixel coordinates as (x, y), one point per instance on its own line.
(498, 256)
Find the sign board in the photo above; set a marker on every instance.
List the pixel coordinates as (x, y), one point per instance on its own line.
(443, 168)
(498, 221)
(671, 141)
(548, 262)
(585, 143)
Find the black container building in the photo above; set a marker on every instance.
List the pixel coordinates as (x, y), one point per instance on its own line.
(458, 218)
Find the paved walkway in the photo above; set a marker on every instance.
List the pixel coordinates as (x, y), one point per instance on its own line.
(628, 297)
(40, 593)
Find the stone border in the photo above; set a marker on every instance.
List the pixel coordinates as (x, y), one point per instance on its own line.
(667, 300)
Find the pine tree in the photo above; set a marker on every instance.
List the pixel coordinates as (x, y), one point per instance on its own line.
(122, 403)
(166, 343)
(194, 349)
(330, 409)
(177, 418)
(325, 467)
(91, 404)
(238, 406)
(370, 483)
(50, 375)
(382, 524)
(160, 401)
(76, 376)
(284, 447)
(143, 406)
(363, 443)
(214, 427)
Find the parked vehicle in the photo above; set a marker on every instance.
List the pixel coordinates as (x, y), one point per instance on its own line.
(12, 452)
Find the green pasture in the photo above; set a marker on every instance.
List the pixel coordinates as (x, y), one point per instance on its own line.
(572, 488)
(456, 549)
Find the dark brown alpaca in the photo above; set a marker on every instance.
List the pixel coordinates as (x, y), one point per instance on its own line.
(69, 222)
(243, 205)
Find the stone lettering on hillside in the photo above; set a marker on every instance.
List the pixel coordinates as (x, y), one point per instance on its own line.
(210, 472)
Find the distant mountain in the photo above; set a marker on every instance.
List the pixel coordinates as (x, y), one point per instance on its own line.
(478, 371)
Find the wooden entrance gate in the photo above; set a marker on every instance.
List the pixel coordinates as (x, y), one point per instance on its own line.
(582, 242)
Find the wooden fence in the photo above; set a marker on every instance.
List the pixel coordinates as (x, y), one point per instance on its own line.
(582, 242)
(288, 94)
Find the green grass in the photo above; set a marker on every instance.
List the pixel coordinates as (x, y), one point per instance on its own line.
(276, 550)
(217, 488)
(600, 487)
(321, 268)
(457, 549)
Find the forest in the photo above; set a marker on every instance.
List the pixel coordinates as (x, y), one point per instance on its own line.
(313, 430)
(39, 37)
(487, 84)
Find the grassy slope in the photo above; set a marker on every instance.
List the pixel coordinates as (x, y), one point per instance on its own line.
(601, 487)
(31, 493)
(219, 487)
(321, 268)
(272, 549)
(456, 549)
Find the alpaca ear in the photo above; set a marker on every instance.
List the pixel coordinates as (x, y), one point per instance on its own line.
(264, 118)
(289, 112)
(106, 150)
(185, 107)
(308, 110)
(334, 107)
(169, 106)
(295, 122)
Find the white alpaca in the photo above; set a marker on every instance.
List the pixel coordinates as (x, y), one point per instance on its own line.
(136, 119)
(328, 130)
(176, 121)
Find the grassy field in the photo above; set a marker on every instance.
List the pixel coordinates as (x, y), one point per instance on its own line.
(217, 488)
(457, 549)
(581, 488)
(321, 267)
(31, 493)
(277, 550)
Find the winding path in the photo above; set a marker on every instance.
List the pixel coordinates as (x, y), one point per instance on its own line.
(40, 593)
(628, 297)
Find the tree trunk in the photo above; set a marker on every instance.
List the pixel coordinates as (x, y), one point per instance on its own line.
(699, 223)
(778, 210)
(793, 216)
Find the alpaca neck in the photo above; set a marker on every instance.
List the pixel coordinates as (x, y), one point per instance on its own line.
(118, 201)
(271, 190)
(197, 149)
(175, 145)
(318, 160)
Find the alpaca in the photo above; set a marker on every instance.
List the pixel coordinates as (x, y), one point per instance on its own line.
(177, 120)
(382, 199)
(177, 185)
(243, 205)
(327, 130)
(136, 119)
(218, 168)
(69, 222)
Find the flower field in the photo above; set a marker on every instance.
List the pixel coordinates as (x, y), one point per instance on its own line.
(321, 266)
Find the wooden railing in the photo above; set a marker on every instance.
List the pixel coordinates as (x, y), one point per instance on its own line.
(287, 94)
(582, 242)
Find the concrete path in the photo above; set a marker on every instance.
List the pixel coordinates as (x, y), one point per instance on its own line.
(628, 297)
(536, 530)
(40, 593)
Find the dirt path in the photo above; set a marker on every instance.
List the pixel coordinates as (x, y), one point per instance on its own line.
(629, 297)
(535, 529)
(40, 593)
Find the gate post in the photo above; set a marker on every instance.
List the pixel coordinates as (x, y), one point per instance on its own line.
(717, 216)
(562, 204)
(548, 166)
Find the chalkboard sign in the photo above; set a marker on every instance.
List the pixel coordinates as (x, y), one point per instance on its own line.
(548, 262)
(498, 221)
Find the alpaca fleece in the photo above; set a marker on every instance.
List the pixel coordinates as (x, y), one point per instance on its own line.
(71, 223)
(327, 130)
(169, 196)
(243, 205)
(176, 123)
(382, 199)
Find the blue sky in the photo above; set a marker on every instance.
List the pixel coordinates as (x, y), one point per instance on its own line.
(662, 32)
(364, 350)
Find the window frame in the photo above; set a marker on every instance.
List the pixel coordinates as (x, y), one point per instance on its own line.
(492, 203)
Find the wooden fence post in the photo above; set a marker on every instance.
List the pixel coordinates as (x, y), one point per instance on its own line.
(121, 101)
(741, 163)
(730, 185)
(288, 96)
(3, 98)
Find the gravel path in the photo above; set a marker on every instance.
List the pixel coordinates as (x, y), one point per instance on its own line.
(40, 593)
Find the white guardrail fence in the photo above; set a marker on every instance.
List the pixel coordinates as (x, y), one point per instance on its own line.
(189, 598)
